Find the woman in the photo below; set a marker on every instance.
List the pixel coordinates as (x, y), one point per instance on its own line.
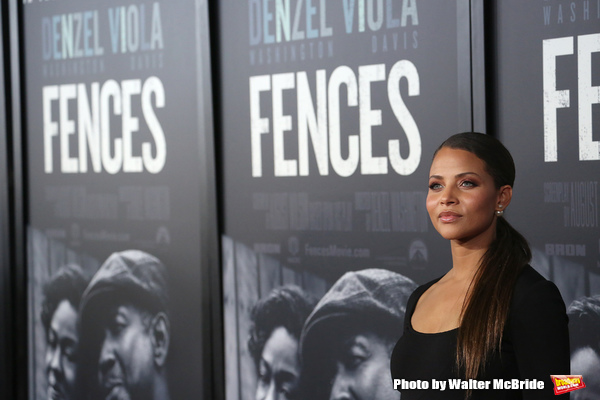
(60, 311)
(277, 321)
(491, 316)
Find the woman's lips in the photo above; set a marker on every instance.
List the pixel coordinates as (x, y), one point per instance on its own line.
(449, 216)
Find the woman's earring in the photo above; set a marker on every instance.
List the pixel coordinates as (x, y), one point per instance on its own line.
(499, 213)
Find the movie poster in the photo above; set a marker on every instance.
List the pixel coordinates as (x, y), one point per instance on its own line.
(116, 123)
(547, 107)
(330, 114)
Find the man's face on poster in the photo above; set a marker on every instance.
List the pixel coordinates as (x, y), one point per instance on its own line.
(362, 368)
(126, 365)
(62, 342)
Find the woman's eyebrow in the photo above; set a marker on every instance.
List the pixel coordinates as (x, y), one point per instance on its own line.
(456, 176)
(466, 173)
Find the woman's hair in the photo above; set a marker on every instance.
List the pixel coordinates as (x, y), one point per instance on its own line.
(68, 284)
(286, 306)
(488, 300)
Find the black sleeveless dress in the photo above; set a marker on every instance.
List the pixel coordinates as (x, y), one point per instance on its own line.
(535, 345)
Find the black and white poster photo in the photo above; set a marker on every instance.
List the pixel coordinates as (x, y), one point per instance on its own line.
(108, 337)
(300, 340)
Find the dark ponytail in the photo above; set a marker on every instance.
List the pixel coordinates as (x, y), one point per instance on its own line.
(488, 299)
(485, 314)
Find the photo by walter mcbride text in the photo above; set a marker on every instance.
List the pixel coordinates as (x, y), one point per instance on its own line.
(470, 384)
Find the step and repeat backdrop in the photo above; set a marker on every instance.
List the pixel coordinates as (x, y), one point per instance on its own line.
(547, 112)
(115, 119)
(330, 114)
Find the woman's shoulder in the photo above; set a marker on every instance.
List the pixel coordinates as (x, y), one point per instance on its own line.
(421, 289)
(411, 304)
(414, 297)
(529, 276)
(532, 286)
(538, 327)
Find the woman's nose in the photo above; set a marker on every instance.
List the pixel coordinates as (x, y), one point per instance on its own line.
(448, 196)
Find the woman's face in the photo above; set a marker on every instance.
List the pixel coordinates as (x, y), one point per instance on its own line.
(278, 368)
(362, 369)
(62, 342)
(462, 197)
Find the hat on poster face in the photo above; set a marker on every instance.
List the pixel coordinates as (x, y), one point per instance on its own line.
(360, 295)
(130, 274)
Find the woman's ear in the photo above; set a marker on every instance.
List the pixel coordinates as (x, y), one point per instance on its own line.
(504, 197)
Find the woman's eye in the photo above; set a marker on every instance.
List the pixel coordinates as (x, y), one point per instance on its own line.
(468, 184)
(435, 186)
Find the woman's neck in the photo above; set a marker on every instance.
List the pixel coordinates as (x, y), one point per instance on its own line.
(466, 257)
